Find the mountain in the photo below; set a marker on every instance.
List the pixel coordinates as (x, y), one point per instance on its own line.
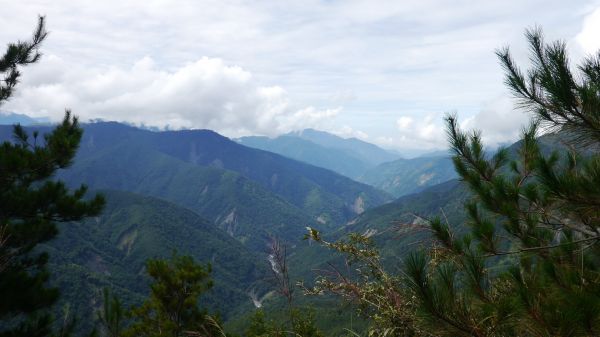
(405, 176)
(366, 152)
(252, 194)
(334, 159)
(395, 225)
(323, 194)
(241, 207)
(10, 118)
(350, 157)
(110, 251)
(392, 226)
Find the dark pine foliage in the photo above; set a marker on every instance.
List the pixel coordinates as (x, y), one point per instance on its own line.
(19, 54)
(30, 205)
(530, 263)
(172, 308)
(530, 266)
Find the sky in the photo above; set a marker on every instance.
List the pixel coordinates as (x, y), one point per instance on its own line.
(383, 71)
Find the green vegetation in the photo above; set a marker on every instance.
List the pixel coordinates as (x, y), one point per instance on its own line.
(234, 203)
(545, 209)
(509, 249)
(172, 308)
(291, 180)
(529, 265)
(111, 250)
(30, 206)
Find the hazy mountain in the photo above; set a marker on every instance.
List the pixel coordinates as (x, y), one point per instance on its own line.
(365, 152)
(405, 176)
(10, 118)
(252, 194)
(321, 193)
(337, 160)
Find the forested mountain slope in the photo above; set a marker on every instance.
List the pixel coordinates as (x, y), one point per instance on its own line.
(111, 249)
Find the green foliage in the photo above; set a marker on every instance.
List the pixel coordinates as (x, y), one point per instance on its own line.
(112, 316)
(260, 327)
(31, 204)
(536, 217)
(379, 295)
(110, 251)
(20, 54)
(302, 325)
(172, 309)
(530, 265)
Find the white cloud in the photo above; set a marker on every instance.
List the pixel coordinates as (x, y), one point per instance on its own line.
(206, 93)
(380, 60)
(404, 122)
(343, 96)
(426, 132)
(499, 121)
(348, 132)
(588, 37)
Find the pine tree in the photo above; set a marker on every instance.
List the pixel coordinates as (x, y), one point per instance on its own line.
(112, 315)
(20, 54)
(531, 264)
(172, 309)
(30, 205)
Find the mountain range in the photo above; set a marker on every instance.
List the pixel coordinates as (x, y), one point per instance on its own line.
(360, 160)
(347, 156)
(225, 203)
(196, 192)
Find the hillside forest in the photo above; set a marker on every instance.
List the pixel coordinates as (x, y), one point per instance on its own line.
(111, 229)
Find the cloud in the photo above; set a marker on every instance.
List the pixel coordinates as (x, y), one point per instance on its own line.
(348, 132)
(588, 36)
(379, 60)
(343, 96)
(499, 121)
(426, 132)
(404, 122)
(206, 93)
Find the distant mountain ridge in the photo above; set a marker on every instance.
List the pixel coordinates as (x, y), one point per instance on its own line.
(337, 160)
(252, 194)
(405, 176)
(160, 187)
(369, 153)
(350, 157)
(10, 118)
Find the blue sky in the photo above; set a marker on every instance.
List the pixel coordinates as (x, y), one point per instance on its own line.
(383, 71)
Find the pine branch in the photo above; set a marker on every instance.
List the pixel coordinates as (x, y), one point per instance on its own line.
(523, 250)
